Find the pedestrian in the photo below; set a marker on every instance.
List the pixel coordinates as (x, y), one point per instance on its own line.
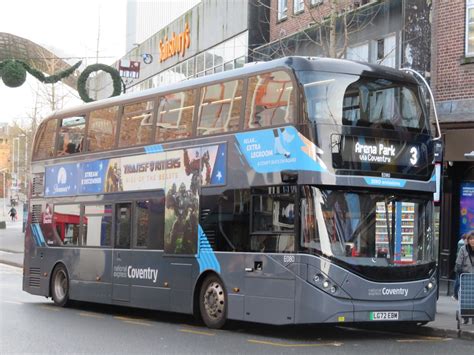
(465, 260)
(12, 213)
(461, 243)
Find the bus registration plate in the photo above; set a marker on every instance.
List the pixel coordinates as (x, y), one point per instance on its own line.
(383, 315)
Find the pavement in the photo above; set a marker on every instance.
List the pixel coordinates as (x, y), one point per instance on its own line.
(444, 325)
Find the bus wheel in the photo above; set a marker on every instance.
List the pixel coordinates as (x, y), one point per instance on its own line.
(213, 302)
(60, 286)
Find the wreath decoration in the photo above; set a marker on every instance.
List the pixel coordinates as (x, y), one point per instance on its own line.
(114, 74)
(13, 73)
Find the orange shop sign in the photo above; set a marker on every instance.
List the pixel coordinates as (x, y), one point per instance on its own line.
(177, 44)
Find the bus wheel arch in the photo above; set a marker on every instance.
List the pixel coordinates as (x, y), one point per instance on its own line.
(210, 300)
(59, 285)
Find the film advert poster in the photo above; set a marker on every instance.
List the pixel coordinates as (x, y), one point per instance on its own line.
(180, 173)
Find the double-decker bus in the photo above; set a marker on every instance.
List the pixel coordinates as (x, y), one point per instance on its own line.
(287, 192)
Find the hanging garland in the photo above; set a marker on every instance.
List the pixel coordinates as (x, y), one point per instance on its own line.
(114, 74)
(13, 74)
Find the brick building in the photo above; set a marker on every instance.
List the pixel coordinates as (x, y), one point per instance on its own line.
(453, 84)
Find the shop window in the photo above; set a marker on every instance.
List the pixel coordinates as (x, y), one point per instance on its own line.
(45, 140)
(71, 135)
(220, 108)
(175, 116)
(102, 128)
(97, 226)
(270, 100)
(136, 124)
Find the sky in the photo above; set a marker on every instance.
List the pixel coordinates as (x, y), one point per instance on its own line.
(68, 28)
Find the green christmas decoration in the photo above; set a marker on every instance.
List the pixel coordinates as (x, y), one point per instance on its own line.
(114, 74)
(13, 74)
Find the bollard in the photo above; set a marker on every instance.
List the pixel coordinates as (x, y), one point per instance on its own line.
(3, 225)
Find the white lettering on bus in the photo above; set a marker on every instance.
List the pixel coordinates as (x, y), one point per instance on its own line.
(395, 291)
(147, 274)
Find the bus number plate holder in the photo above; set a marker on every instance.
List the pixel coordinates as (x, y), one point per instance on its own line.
(384, 316)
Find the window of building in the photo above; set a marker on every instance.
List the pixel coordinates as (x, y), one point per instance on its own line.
(315, 2)
(298, 6)
(71, 135)
(282, 9)
(136, 125)
(66, 223)
(220, 108)
(385, 51)
(359, 52)
(175, 116)
(46, 139)
(97, 226)
(270, 100)
(470, 28)
(102, 128)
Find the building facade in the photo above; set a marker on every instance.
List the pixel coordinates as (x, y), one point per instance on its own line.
(211, 37)
(391, 32)
(453, 83)
(145, 18)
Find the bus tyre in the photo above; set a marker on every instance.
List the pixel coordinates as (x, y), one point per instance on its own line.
(60, 286)
(213, 302)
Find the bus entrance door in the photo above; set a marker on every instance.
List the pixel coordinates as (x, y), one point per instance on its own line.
(122, 254)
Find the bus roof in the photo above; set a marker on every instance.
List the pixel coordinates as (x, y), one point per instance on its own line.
(293, 63)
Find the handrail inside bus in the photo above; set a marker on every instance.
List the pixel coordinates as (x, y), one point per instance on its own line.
(418, 75)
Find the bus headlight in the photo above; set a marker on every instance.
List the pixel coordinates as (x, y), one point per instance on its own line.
(325, 284)
(430, 285)
(333, 289)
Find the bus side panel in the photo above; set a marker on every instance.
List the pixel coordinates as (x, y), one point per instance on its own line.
(316, 306)
(232, 274)
(151, 290)
(89, 271)
(269, 290)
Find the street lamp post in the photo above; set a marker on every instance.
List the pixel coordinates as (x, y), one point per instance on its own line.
(3, 171)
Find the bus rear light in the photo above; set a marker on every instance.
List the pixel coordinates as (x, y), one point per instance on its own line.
(165, 284)
(236, 289)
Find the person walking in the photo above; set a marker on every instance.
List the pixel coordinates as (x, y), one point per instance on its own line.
(465, 260)
(461, 243)
(12, 213)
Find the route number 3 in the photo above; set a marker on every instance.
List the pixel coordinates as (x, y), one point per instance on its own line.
(414, 155)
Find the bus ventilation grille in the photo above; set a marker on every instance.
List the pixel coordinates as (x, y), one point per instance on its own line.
(34, 277)
(38, 185)
(36, 214)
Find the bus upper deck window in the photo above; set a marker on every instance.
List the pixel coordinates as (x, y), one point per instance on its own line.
(136, 124)
(270, 100)
(71, 135)
(102, 129)
(46, 140)
(220, 108)
(175, 116)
